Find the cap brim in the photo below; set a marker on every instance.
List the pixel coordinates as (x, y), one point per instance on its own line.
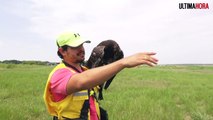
(78, 43)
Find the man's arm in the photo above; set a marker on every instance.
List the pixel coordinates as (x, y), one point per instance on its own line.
(99, 75)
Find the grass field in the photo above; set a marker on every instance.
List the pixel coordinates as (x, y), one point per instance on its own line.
(142, 93)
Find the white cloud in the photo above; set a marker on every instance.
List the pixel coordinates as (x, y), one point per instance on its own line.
(143, 25)
(137, 25)
(54, 17)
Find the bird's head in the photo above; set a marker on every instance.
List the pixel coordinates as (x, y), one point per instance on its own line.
(96, 57)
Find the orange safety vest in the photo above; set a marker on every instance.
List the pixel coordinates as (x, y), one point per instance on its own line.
(74, 105)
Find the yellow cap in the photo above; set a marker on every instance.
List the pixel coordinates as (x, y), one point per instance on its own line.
(71, 39)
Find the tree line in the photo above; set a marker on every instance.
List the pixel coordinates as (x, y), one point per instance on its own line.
(29, 62)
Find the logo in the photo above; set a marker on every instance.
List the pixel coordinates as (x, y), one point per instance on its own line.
(193, 6)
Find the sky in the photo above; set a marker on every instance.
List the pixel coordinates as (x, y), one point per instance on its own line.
(29, 28)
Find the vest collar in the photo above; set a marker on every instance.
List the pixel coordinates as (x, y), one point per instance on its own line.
(71, 66)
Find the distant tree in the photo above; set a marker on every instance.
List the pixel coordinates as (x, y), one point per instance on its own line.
(29, 62)
(12, 62)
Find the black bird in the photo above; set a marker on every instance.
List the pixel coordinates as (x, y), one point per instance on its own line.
(104, 53)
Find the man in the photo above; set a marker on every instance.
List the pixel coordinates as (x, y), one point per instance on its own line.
(71, 89)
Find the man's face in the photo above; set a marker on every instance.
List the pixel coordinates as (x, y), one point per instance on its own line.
(75, 54)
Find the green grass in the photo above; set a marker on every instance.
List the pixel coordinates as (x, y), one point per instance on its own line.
(141, 93)
(21, 91)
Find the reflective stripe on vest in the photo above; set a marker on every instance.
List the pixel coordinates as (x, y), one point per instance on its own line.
(81, 93)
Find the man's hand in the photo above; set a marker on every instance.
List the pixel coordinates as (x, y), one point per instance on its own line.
(140, 59)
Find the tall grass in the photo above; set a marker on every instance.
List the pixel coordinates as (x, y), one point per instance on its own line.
(21, 91)
(162, 93)
(142, 93)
